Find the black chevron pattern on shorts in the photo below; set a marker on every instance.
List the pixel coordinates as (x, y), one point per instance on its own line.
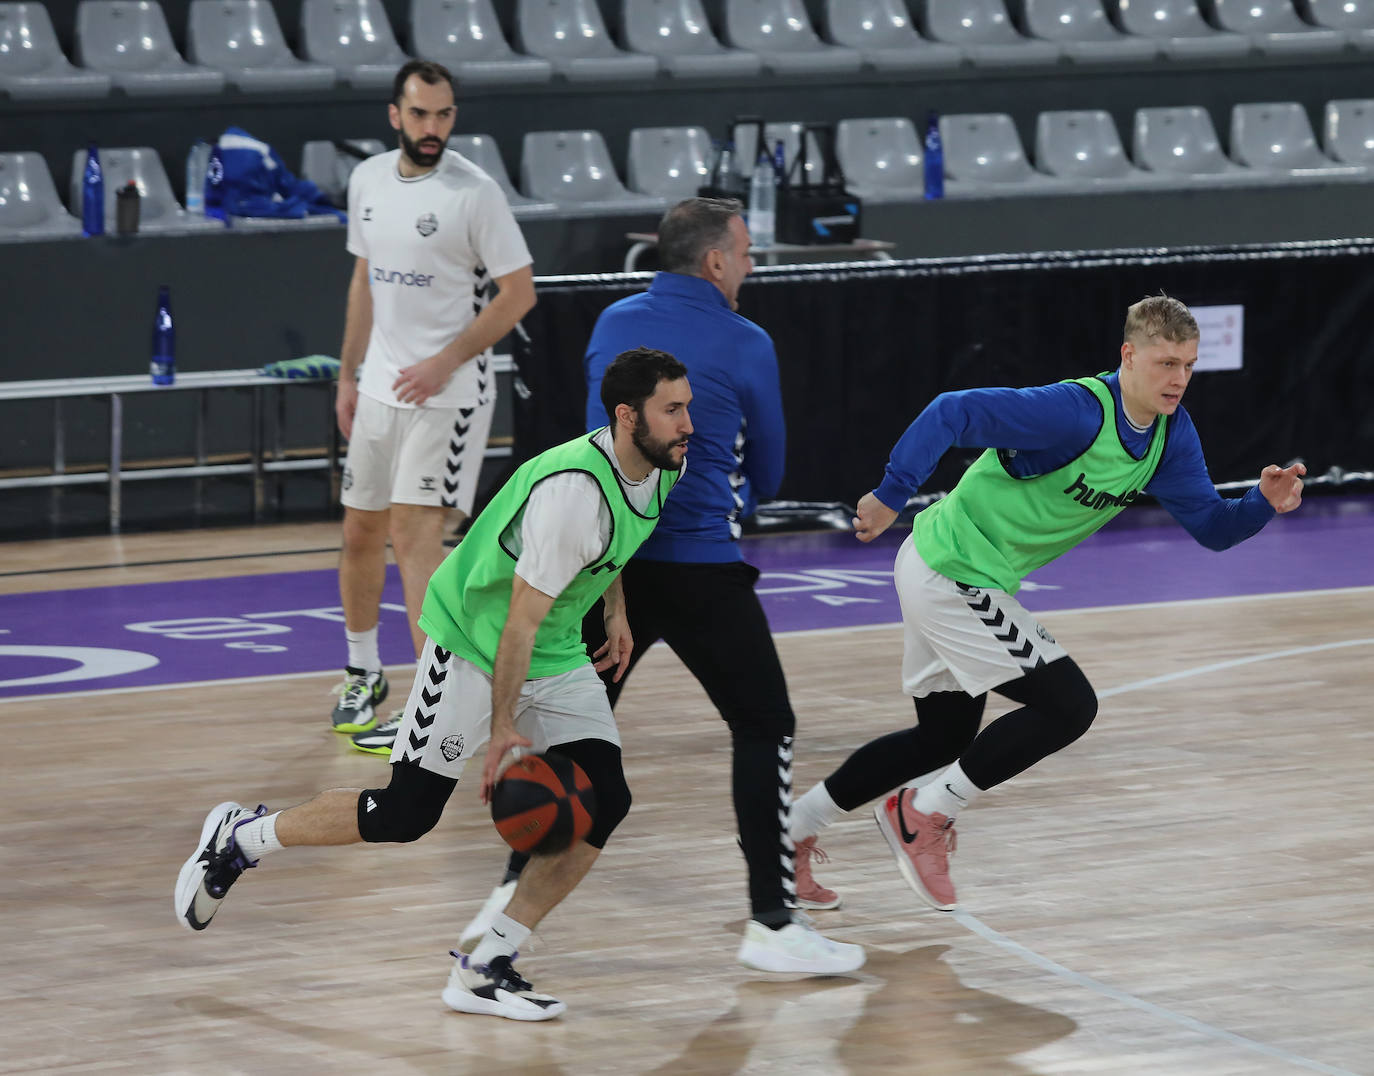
(1003, 630)
(453, 465)
(425, 711)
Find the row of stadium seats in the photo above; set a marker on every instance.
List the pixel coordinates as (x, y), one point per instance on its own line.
(570, 173)
(126, 44)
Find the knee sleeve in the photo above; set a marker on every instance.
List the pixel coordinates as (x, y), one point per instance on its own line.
(600, 760)
(407, 809)
(1061, 695)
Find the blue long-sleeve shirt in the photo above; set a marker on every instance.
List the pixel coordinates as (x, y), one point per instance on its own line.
(736, 452)
(1049, 425)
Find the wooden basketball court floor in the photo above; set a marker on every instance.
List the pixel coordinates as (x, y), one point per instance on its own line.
(1188, 889)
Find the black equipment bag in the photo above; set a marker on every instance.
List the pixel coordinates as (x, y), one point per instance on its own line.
(822, 212)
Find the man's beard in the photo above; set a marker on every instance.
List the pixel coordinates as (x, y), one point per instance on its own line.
(659, 453)
(424, 158)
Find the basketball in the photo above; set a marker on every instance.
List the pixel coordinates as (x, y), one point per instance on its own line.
(542, 804)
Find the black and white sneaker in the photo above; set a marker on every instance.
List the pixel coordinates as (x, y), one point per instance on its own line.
(381, 739)
(359, 696)
(206, 877)
(496, 989)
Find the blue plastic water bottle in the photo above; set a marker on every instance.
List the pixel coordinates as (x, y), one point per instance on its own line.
(92, 195)
(934, 158)
(214, 186)
(163, 365)
(780, 162)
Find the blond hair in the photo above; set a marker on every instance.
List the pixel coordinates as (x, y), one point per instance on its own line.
(1159, 316)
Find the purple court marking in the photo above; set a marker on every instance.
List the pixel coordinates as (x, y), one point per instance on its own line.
(291, 623)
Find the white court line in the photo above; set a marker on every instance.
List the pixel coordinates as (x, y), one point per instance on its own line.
(977, 926)
(800, 632)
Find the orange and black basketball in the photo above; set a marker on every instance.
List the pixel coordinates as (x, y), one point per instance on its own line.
(543, 803)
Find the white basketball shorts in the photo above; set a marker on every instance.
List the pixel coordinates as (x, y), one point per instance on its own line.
(415, 455)
(448, 715)
(963, 638)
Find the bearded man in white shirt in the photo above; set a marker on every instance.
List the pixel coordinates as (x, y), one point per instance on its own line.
(430, 232)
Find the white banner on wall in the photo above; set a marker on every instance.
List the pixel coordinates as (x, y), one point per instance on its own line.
(1223, 332)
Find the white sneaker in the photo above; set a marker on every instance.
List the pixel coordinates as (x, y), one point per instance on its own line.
(496, 990)
(796, 948)
(214, 866)
(482, 921)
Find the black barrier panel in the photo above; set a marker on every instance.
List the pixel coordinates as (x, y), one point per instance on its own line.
(862, 348)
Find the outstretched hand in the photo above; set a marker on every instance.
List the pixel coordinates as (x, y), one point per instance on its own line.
(1282, 486)
(873, 518)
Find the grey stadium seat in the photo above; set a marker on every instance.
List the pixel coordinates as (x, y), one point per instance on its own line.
(1084, 149)
(881, 158)
(29, 206)
(983, 153)
(678, 33)
(353, 37)
(1348, 131)
(465, 36)
(573, 170)
(1083, 32)
(1354, 18)
(883, 33)
(159, 210)
(780, 33)
(243, 40)
(572, 36)
(32, 64)
(1181, 32)
(1183, 143)
(328, 167)
(983, 30)
(1276, 138)
(1274, 27)
(668, 162)
(482, 150)
(129, 41)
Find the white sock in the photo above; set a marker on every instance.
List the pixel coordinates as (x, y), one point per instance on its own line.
(362, 649)
(813, 812)
(503, 939)
(258, 837)
(948, 794)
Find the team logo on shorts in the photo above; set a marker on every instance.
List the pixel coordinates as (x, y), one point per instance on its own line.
(348, 478)
(452, 746)
(427, 483)
(427, 225)
(1040, 631)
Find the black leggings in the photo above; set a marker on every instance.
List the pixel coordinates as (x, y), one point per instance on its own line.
(1057, 707)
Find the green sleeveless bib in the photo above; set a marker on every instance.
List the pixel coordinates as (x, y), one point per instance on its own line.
(468, 599)
(994, 529)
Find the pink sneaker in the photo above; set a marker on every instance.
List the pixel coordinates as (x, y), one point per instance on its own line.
(922, 844)
(810, 893)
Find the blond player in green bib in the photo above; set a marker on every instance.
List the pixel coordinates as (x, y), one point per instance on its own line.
(503, 668)
(1059, 462)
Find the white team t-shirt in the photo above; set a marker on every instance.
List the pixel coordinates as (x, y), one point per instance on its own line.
(433, 245)
(567, 523)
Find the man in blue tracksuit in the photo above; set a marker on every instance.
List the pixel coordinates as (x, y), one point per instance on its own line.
(689, 585)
